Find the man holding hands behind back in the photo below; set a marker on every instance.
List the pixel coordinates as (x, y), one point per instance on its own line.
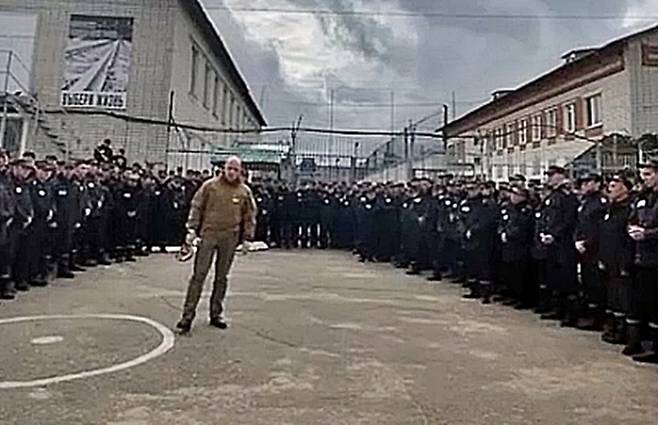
(220, 209)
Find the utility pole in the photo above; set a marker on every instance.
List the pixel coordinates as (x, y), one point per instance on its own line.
(446, 118)
(5, 111)
(293, 138)
(412, 141)
(454, 105)
(392, 112)
(332, 144)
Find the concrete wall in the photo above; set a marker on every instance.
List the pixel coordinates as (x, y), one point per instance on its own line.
(644, 89)
(161, 62)
(150, 67)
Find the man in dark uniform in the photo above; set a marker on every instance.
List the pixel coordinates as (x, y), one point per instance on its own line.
(615, 255)
(41, 243)
(423, 228)
(386, 225)
(590, 214)
(643, 229)
(265, 207)
(103, 153)
(556, 224)
(21, 227)
(65, 218)
(7, 211)
(127, 201)
(515, 232)
(478, 221)
(328, 206)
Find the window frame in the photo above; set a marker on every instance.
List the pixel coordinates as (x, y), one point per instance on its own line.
(523, 132)
(551, 124)
(590, 123)
(537, 121)
(570, 118)
(194, 69)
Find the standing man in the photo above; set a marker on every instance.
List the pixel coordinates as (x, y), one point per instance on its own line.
(219, 210)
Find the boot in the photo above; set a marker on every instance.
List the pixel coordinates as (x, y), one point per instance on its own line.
(633, 340)
(619, 334)
(475, 292)
(63, 271)
(485, 292)
(40, 281)
(593, 321)
(76, 268)
(609, 327)
(545, 305)
(651, 356)
(104, 260)
(570, 308)
(436, 277)
(22, 286)
(8, 291)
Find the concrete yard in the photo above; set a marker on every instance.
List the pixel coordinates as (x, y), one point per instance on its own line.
(315, 338)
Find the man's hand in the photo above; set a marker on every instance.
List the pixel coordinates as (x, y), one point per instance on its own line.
(580, 247)
(637, 233)
(191, 238)
(245, 247)
(546, 239)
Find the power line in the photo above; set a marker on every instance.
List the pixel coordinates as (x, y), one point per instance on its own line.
(435, 15)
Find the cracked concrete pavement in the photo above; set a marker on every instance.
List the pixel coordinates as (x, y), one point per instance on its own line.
(315, 338)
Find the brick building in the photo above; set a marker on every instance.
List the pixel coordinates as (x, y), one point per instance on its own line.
(563, 114)
(97, 65)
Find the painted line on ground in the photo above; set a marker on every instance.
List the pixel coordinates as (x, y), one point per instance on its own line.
(168, 340)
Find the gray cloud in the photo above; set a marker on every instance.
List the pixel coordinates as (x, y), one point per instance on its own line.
(426, 59)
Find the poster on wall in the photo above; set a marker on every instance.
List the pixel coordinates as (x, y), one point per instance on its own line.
(97, 62)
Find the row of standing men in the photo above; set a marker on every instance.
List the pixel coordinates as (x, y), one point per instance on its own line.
(585, 254)
(57, 218)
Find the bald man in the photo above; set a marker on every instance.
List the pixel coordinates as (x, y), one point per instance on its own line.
(220, 209)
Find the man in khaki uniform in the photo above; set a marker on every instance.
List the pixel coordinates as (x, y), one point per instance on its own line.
(220, 209)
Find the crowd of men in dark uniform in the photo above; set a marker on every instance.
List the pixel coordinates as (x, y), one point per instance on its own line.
(583, 253)
(59, 218)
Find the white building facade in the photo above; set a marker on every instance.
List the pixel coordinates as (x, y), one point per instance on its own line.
(559, 116)
(119, 70)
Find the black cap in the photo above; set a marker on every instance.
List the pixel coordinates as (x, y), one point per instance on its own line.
(517, 178)
(653, 163)
(624, 180)
(520, 191)
(590, 177)
(556, 169)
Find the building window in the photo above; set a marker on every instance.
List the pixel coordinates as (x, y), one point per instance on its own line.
(570, 118)
(523, 132)
(498, 137)
(215, 97)
(499, 171)
(536, 128)
(594, 110)
(551, 123)
(226, 99)
(509, 135)
(194, 77)
(207, 83)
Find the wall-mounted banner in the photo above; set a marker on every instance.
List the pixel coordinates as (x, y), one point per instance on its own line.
(97, 62)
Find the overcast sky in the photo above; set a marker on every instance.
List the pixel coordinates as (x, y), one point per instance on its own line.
(291, 61)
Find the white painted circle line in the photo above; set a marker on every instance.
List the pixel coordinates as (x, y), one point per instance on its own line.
(167, 344)
(47, 340)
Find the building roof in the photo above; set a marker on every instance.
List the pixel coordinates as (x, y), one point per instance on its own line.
(199, 14)
(592, 57)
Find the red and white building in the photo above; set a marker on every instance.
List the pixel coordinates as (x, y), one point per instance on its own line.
(562, 114)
